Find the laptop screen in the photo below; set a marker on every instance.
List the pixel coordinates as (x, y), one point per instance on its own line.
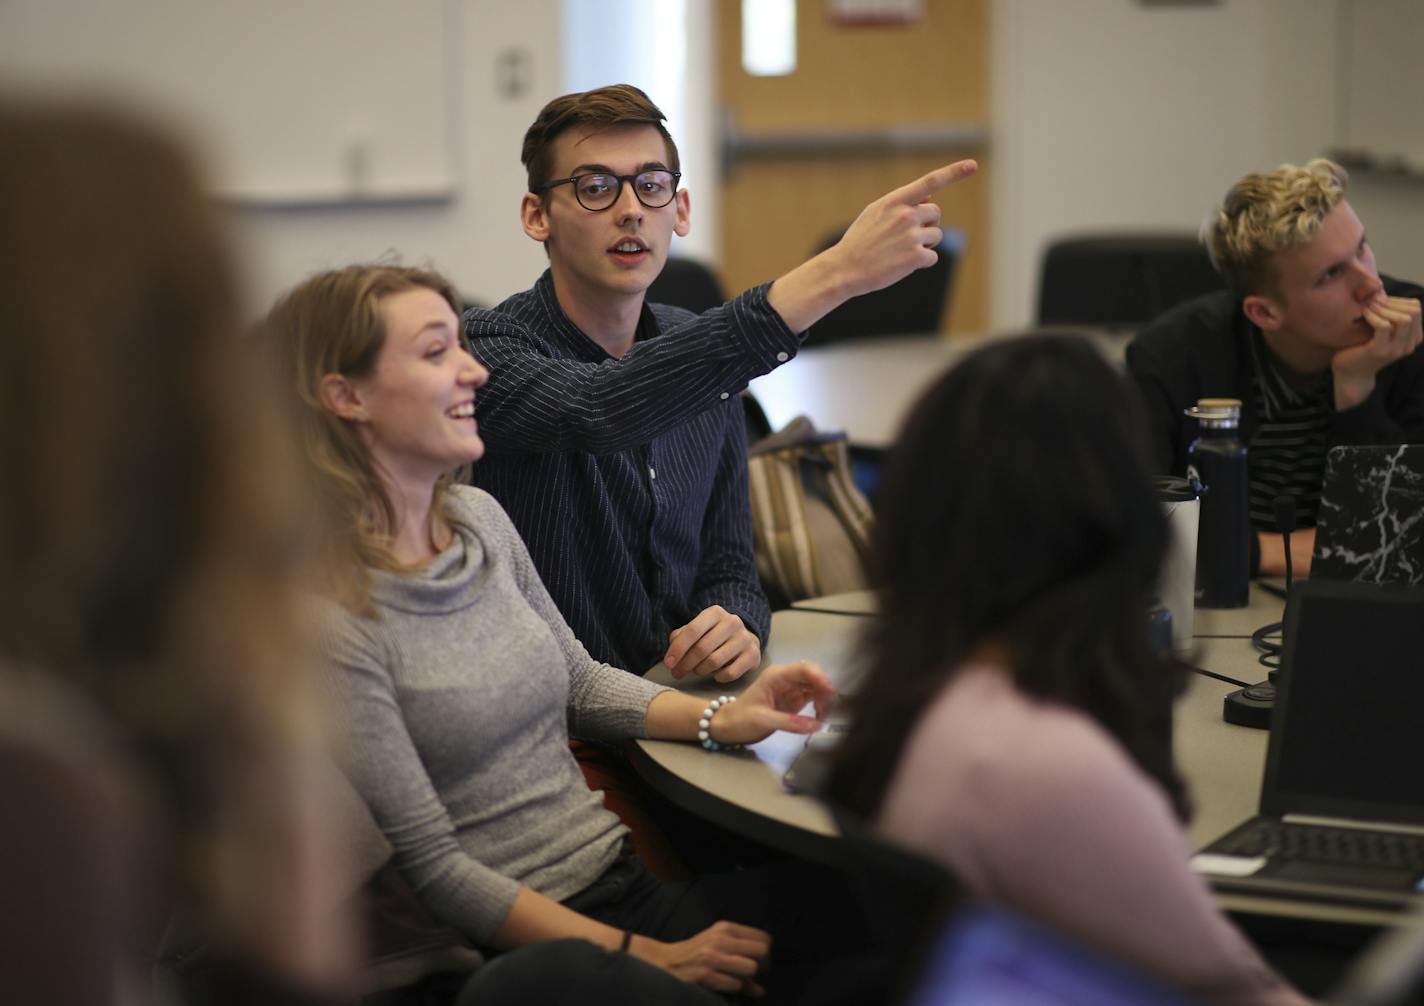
(1347, 740)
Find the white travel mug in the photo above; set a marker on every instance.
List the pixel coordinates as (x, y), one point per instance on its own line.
(1177, 589)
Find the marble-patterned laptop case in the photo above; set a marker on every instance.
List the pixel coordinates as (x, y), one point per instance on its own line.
(1371, 520)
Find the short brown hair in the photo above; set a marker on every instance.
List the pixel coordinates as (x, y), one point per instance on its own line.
(614, 105)
(1263, 214)
(332, 324)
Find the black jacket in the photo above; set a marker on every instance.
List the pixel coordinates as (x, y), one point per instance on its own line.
(1200, 350)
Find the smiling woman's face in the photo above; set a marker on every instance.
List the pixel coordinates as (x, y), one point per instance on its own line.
(418, 404)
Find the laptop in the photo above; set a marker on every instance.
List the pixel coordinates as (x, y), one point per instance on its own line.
(1370, 526)
(1342, 801)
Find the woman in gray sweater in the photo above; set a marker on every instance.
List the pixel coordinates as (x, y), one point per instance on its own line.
(458, 681)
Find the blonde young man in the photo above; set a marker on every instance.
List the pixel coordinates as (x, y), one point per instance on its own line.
(616, 440)
(1320, 348)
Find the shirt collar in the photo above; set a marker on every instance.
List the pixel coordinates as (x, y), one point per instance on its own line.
(574, 337)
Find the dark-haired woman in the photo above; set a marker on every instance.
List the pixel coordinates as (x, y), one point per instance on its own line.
(1014, 725)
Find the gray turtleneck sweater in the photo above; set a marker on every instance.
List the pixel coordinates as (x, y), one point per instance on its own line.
(457, 702)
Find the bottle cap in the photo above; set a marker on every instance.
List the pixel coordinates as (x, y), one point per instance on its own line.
(1216, 413)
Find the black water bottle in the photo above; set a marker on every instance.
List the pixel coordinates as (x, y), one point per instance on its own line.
(1217, 459)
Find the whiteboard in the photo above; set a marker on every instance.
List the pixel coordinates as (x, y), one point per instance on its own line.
(288, 101)
(1382, 75)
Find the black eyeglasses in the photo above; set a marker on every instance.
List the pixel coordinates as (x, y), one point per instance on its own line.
(598, 191)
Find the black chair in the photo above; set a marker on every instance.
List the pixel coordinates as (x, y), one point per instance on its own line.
(686, 283)
(1121, 280)
(902, 897)
(758, 425)
(913, 306)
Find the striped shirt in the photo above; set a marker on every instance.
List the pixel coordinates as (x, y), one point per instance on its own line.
(627, 478)
(1286, 455)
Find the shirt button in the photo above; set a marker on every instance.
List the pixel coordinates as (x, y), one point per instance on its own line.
(652, 473)
(724, 396)
(782, 357)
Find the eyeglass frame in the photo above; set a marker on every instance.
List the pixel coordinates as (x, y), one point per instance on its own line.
(621, 180)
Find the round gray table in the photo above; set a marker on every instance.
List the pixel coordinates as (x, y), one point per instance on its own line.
(744, 791)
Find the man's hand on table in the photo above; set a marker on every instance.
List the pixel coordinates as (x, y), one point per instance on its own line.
(715, 643)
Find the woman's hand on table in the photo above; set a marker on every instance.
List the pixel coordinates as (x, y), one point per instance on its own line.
(774, 702)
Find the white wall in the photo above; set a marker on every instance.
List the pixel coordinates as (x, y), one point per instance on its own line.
(475, 238)
(1106, 113)
(664, 47)
(473, 235)
(1114, 114)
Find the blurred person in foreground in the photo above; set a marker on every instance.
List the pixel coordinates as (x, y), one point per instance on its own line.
(155, 728)
(1014, 725)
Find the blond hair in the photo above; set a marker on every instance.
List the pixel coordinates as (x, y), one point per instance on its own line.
(332, 324)
(1264, 214)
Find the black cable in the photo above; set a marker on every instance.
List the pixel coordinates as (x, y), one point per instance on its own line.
(1221, 677)
(1270, 648)
(1284, 507)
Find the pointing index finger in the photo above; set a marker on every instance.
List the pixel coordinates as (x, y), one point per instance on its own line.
(925, 186)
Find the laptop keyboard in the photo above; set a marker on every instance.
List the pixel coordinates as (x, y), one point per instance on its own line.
(1320, 843)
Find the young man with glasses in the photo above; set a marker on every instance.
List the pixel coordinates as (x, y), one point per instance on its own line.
(613, 428)
(615, 432)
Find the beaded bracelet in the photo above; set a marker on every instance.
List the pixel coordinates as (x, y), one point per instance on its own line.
(704, 725)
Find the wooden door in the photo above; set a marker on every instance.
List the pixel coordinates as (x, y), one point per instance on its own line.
(809, 149)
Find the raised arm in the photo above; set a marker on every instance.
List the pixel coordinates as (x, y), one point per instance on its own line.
(540, 400)
(892, 237)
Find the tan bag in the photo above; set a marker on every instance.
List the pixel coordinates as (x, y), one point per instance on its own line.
(812, 524)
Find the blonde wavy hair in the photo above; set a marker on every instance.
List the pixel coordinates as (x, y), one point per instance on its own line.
(332, 324)
(1264, 214)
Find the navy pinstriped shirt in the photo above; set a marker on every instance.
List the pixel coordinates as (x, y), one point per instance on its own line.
(627, 478)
